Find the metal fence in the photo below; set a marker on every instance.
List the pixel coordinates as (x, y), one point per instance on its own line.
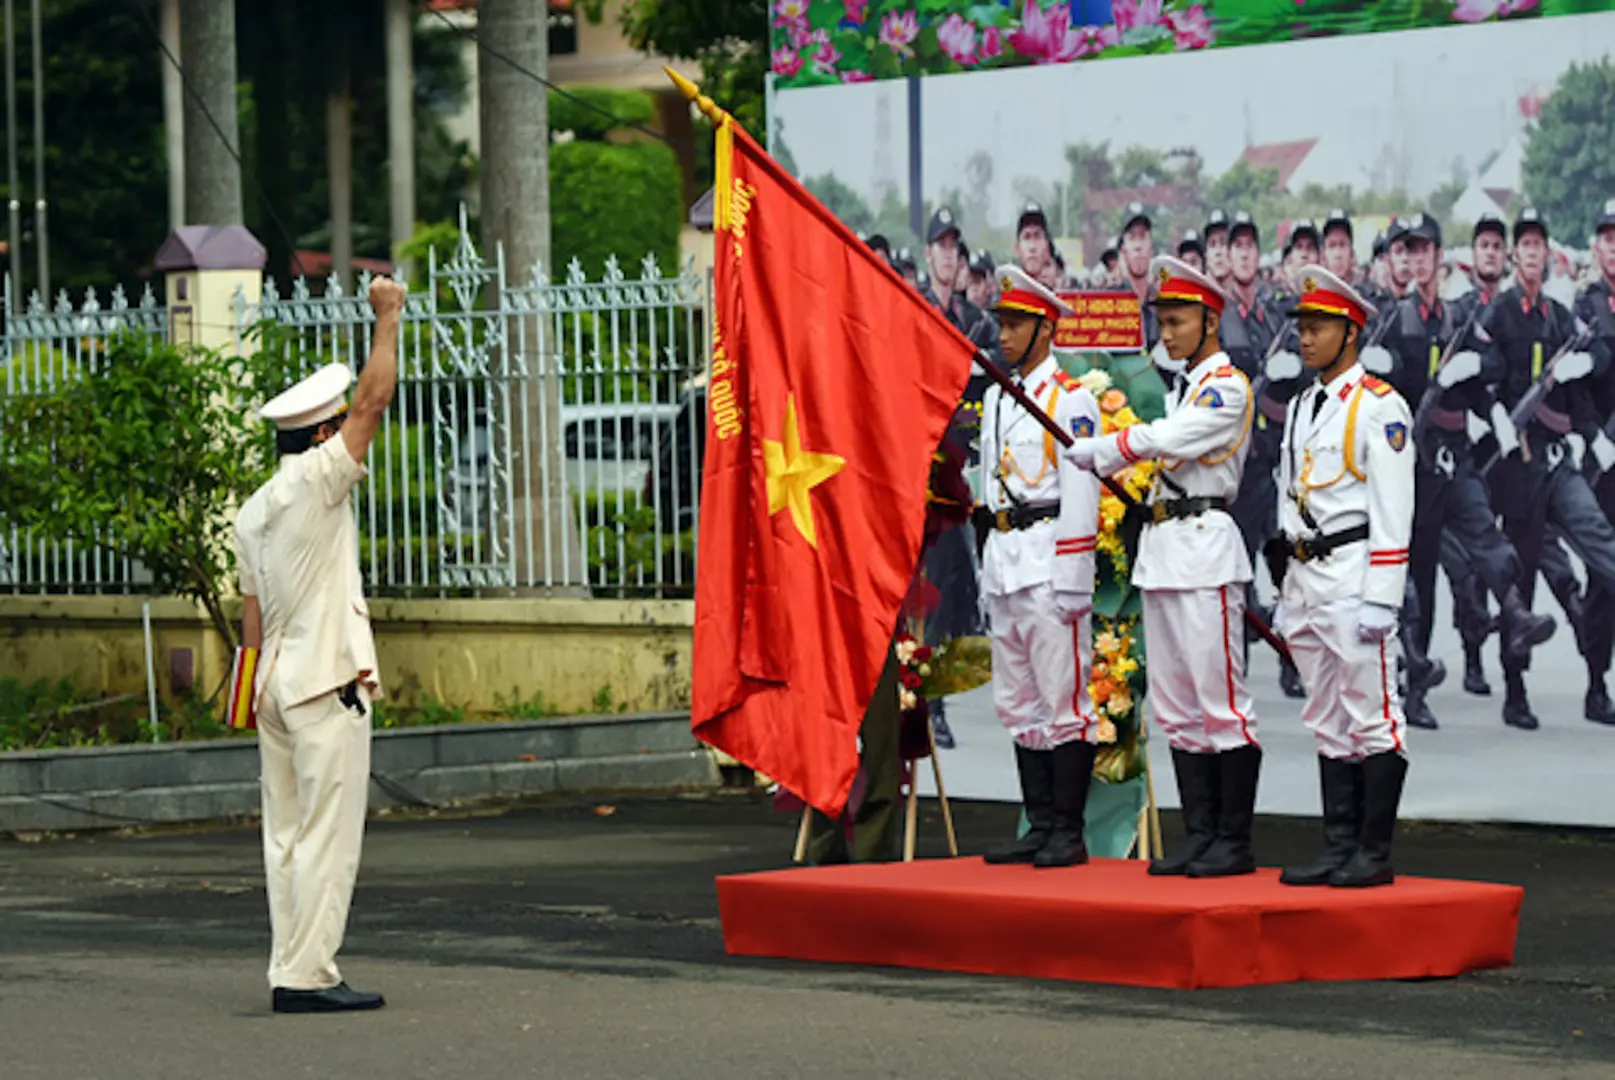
(583, 400)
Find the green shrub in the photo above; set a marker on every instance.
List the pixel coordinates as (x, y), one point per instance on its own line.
(622, 199)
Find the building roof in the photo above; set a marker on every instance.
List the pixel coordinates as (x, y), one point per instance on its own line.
(211, 247)
(1286, 157)
(701, 212)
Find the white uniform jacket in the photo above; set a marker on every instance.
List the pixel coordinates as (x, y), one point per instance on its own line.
(1348, 464)
(1201, 444)
(1021, 463)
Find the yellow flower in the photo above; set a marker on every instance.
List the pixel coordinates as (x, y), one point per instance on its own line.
(1123, 666)
(1107, 732)
(1120, 704)
(1105, 643)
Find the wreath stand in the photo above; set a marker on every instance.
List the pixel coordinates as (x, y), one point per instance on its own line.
(911, 810)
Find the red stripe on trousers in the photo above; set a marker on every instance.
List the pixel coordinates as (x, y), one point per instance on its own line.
(1076, 694)
(1385, 696)
(1228, 666)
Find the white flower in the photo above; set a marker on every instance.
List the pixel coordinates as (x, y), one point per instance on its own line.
(906, 699)
(905, 651)
(1096, 381)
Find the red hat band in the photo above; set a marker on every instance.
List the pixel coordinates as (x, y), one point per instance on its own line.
(1183, 291)
(1029, 302)
(1328, 302)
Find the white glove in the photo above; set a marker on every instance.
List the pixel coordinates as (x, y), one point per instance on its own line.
(1081, 452)
(1573, 366)
(1376, 359)
(1375, 622)
(1476, 428)
(1071, 606)
(1283, 366)
(1508, 440)
(1460, 367)
(1578, 449)
(1277, 624)
(1603, 451)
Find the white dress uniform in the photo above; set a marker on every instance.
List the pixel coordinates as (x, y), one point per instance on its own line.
(297, 553)
(1037, 584)
(1345, 520)
(1191, 565)
(1347, 468)
(1192, 568)
(1041, 663)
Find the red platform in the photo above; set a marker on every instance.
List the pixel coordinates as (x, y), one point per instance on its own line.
(1110, 922)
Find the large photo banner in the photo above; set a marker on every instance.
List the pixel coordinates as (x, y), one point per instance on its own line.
(1455, 160)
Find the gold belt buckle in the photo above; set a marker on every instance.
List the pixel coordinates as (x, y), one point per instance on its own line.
(1159, 512)
(1303, 550)
(1001, 520)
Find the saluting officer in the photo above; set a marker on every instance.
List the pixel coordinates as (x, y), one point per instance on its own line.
(1038, 577)
(1192, 569)
(1441, 360)
(1346, 516)
(304, 609)
(1536, 484)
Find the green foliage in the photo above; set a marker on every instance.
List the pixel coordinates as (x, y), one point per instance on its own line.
(534, 707)
(1568, 169)
(728, 37)
(429, 713)
(592, 112)
(623, 549)
(840, 200)
(604, 701)
(46, 715)
(105, 160)
(144, 455)
(622, 199)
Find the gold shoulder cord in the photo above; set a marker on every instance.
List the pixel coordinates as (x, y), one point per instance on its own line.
(1007, 459)
(1349, 451)
(1245, 427)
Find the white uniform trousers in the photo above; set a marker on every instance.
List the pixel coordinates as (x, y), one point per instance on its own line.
(1194, 640)
(315, 759)
(1041, 668)
(1353, 705)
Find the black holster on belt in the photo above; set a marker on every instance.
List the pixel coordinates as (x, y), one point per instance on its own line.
(981, 519)
(349, 696)
(1277, 552)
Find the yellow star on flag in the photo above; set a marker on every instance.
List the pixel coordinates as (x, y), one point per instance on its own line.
(793, 473)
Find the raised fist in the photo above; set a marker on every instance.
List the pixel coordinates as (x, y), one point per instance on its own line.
(387, 295)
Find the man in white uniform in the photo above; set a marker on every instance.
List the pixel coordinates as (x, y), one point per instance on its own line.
(1346, 518)
(1038, 577)
(297, 550)
(1192, 569)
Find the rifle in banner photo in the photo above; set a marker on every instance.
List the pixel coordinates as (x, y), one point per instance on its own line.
(1526, 408)
(1434, 389)
(1135, 509)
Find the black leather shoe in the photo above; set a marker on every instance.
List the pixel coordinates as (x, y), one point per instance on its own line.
(339, 998)
(1517, 714)
(1597, 707)
(1418, 713)
(1290, 681)
(1475, 673)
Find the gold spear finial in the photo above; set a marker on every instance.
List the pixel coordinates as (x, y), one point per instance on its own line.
(693, 92)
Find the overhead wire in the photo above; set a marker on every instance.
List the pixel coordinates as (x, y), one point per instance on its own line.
(207, 114)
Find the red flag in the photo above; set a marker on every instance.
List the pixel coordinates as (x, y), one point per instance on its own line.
(832, 383)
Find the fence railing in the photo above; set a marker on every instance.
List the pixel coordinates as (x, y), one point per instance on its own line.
(544, 434)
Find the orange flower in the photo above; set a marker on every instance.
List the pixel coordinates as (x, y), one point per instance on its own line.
(1112, 401)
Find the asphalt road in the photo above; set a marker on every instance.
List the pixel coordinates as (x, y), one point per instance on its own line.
(556, 940)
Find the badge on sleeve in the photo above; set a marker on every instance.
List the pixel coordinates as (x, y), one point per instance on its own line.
(1209, 398)
(1397, 435)
(1082, 427)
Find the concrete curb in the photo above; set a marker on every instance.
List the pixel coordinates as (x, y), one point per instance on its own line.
(118, 786)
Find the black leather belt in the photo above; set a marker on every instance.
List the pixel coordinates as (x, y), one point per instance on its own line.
(1308, 548)
(1023, 517)
(1191, 506)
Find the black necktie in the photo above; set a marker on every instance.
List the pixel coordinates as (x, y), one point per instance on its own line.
(1317, 403)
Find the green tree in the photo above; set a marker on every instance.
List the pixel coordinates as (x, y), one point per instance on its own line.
(144, 455)
(841, 200)
(1569, 170)
(729, 38)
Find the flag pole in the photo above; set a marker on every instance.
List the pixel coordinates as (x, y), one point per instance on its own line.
(1014, 390)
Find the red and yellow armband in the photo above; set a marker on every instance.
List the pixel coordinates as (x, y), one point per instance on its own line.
(240, 709)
